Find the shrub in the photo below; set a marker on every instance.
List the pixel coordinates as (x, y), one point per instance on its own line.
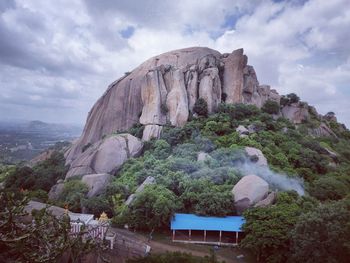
(201, 107)
(73, 193)
(162, 149)
(164, 109)
(271, 107)
(96, 205)
(328, 188)
(293, 98)
(238, 111)
(86, 146)
(137, 130)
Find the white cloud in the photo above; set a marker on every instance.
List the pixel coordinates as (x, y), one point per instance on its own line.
(62, 55)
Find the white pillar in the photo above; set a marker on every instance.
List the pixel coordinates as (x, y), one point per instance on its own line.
(189, 234)
(205, 235)
(220, 236)
(236, 237)
(173, 235)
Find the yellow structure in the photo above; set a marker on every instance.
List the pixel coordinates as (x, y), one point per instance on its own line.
(103, 218)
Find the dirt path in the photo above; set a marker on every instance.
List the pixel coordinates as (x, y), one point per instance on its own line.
(161, 245)
(158, 247)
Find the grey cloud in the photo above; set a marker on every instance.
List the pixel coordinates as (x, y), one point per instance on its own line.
(62, 55)
(6, 4)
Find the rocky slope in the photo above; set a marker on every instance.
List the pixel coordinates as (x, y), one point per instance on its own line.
(164, 90)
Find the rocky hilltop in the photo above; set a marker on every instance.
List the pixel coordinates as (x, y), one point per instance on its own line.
(163, 90)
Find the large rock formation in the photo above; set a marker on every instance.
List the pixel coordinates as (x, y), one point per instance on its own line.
(269, 200)
(296, 112)
(248, 191)
(97, 183)
(105, 156)
(149, 180)
(56, 190)
(256, 156)
(164, 89)
(322, 131)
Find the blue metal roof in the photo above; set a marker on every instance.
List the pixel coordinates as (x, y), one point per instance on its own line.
(194, 222)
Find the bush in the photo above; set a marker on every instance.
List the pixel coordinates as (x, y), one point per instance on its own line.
(239, 111)
(322, 235)
(328, 188)
(86, 146)
(96, 205)
(293, 98)
(152, 208)
(201, 107)
(137, 130)
(73, 194)
(162, 149)
(271, 107)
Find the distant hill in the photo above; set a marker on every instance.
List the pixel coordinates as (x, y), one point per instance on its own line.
(23, 140)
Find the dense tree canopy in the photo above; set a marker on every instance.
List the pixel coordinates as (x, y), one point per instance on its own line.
(323, 234)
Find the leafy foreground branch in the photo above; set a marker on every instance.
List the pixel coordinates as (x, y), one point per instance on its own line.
(40, 237)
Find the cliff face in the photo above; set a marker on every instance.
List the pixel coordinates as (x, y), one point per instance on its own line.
(165, 88)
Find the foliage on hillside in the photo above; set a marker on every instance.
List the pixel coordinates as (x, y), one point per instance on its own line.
(39, 179)
(186, 184)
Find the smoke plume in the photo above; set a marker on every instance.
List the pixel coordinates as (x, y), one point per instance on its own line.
(277, 181)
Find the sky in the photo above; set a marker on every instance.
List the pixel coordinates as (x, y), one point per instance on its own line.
(58, 57)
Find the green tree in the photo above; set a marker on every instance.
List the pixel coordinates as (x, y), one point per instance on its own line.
(267, 230)
(293, 98)
(328, 188)
(323, 235)
(153, 208)
(215, 203)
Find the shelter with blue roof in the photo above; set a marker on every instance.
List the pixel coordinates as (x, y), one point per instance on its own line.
(215, 230)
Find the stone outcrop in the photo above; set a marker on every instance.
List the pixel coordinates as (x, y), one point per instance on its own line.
(242, 131)
(177, 101)
(248, 191)
(256, 155)
(105, 156)
(41, 157)
(203, 156)
(151, 131)
(170, 80)
(149, 180)
(34, 205)
(97, 183)
(269, 200)
(56, 190)
(330, 116)
(296, 112)
(322, 131)
(233, 80)
(210, 88)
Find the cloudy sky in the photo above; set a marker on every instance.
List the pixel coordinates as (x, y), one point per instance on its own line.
(57, 57)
